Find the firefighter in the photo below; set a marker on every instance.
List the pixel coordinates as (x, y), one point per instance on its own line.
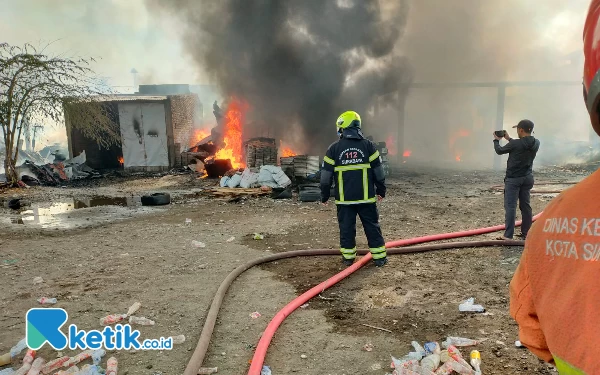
(553, 294)
(360, 182)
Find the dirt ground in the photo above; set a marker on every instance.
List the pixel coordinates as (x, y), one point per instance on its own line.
(100, 260)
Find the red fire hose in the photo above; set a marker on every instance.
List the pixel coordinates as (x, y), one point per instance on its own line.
(267, 336)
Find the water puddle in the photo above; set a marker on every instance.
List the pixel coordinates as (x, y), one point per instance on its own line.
(51, 214)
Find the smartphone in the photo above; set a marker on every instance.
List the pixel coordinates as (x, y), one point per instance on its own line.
(499, 133)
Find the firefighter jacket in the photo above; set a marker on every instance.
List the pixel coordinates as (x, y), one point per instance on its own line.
(553, 294)
(354, 164)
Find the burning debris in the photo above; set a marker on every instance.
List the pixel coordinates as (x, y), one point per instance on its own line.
(261, 151)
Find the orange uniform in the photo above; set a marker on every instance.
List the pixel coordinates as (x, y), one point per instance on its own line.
(553, 294)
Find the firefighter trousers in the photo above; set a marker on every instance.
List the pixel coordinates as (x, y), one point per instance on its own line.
(369, 216)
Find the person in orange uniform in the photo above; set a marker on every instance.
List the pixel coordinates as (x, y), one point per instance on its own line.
(553, 294)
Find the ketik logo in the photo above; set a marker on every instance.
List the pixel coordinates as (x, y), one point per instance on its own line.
(43, 325)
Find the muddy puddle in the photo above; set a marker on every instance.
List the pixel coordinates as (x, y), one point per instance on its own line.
(68, 212)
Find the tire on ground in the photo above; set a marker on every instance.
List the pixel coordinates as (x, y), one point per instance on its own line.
(156, 199)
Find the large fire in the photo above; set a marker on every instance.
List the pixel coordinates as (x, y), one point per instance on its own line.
(286, 151)
(199, 135)
(232, 137)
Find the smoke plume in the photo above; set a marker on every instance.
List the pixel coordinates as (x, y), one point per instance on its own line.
(298, 64)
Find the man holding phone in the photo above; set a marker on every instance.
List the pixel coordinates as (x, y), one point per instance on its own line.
(519, 175)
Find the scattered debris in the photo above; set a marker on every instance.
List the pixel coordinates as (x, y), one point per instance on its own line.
(378, 328)
(303, 356)
(188, 221)
(469, 306)
(112, 366)
(255, 315)
(266, 370)
(207, 370)
(112, 319)
(518, 344)
(37, 280)
(9, 262)
(432, 360)
(231, 239)
(198, 244)
(368, 347)
(140, 320)
(177, 340)
(376, 366)
(258, 236)
(459, 341)
(304, 306)
(47, 301)
(134, 308)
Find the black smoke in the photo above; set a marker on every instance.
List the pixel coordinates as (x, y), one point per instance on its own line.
(300, 63)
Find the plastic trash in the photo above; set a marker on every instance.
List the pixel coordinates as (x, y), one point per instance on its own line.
(112, 319)
(418, 348)
(518, 344)
(431, 362)
(134, 308)
(27, 361)
(231, 239)
(18, 348)
(140, 320)
(405, 371)
(7, 371)
(79, 357)
(188, 222)
(457, 356)
(458, 341)
(470, 306)
(55, 364)
(47, 301)
(255, 315)
(36, 366)
(69, 371)
(90, 370)
(5, 359)
(444, 356)
(476, 361)
(97, 356)
(399, 363)
(37, 280)
(178, 339)
(111, 366)
(266, 370)
(198, 244)
(207, 370)
(432, 348)
(461, 368)
(445, 369)
(223, 182)
(258, 236)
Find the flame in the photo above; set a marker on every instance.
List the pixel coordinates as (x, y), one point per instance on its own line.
(199, 134)
(407, 153)
(286, 151)
(121, 160)
(462, 133)
(234, 117)
(391, 145)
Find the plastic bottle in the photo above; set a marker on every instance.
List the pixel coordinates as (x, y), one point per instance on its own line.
(457, 356)
(55, 364)
(140, 320)
(399, 363)
(445, 369)
(47, 301)
(458, 341)
(476, 361)
(111, 319)
(15, 350)
(461, 368)
(178, 339)
(470, 306)
(432, 347)
(134, 308)
(27, 361)
(405, 371)
(69, 371)
(418, 348)
(36, 366)
(79, 357)
(97, 356)
(111, 366)
(431, 362)
(7, 371)
(444, 356)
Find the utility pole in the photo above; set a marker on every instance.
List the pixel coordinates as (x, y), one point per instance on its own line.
(35, 128)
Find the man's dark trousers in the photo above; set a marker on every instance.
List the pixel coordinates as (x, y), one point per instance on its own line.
(517, 188)
(370, 220)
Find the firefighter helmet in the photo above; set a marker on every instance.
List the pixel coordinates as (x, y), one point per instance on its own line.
(348, 119)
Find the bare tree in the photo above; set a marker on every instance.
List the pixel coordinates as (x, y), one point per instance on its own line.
(37, 87)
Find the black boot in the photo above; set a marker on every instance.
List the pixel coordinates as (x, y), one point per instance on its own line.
(380, 262)
(347, 262)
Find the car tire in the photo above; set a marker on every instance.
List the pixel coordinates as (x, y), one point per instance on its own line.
(156, 199)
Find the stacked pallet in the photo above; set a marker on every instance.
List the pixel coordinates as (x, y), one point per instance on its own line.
(300, 165)
(260, 151)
